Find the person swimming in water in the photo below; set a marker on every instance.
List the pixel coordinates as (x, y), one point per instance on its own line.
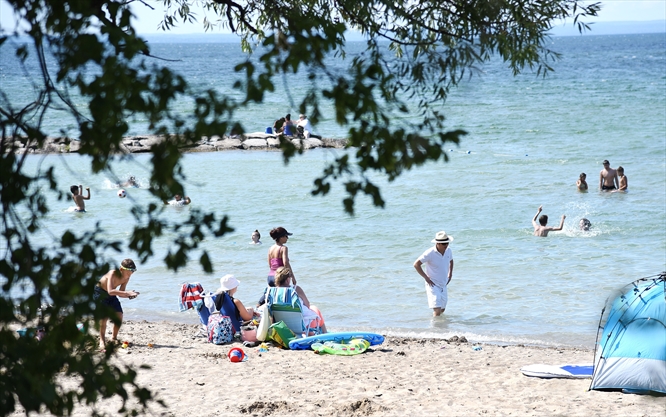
(131, 182)
(584, 224)
(540, 229)
(623, 180)
(608, 178)
(77, 196)
(178, 200)
(256, 236)
(581, 183)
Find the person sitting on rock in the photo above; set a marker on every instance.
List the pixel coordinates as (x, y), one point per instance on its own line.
(305, 128)
(278, 126)
(289, 127)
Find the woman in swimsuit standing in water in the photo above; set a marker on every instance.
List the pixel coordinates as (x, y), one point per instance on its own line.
(278, 254)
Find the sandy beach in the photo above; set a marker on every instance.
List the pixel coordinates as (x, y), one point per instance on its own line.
(423, 377)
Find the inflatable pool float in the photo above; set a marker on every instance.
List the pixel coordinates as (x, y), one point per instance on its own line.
(354, 347)
(340, 337)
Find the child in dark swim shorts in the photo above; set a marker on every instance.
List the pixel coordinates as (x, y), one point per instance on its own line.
(108, 289)
(103, 297)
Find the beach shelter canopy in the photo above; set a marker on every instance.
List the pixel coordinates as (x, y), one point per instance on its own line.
(631, 349)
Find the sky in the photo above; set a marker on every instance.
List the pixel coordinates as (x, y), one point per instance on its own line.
(147, 19)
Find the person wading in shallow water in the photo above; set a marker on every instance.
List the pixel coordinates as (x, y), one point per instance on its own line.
(608, 178)
(278, 254)
(540, 229)
(438, 261)
(77, 196)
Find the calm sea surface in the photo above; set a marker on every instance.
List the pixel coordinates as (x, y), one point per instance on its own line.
(529, 139)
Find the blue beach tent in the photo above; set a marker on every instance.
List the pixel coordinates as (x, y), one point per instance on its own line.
(630, 355)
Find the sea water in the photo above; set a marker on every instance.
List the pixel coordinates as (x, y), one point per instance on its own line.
(529, 139)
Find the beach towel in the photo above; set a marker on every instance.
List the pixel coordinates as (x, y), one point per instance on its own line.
(558, 371)
(191, 295)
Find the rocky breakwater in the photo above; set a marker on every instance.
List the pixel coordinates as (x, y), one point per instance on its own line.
(142, 144)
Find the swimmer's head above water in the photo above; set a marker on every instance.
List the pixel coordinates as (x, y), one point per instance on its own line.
(584, 224)
(543, 220)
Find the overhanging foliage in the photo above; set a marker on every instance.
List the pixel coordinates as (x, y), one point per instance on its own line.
(432, 46)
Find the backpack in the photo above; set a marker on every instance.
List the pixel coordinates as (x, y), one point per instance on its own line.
(220, 329)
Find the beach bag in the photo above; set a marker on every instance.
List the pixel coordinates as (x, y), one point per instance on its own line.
(281, 334)
(264, 323)
(249, 333)
(220, 329)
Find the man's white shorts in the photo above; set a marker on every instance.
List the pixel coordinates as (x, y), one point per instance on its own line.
(437, 296)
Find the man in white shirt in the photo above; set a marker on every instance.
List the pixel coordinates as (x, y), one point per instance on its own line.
(305, 124)
(438, 262)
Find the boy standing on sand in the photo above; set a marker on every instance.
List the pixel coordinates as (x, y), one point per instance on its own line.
(438, 261)
(77, 195)
(106, 294)
(541, 229)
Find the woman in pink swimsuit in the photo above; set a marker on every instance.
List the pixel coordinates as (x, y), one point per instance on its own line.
(278, 254)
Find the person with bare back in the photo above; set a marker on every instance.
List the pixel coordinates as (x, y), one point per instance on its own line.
(278, 254)
(540, 229)
(108, 289)
(77, 196)
(623, 182)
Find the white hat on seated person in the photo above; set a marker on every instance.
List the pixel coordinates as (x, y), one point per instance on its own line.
(442, 237)
(228, 282)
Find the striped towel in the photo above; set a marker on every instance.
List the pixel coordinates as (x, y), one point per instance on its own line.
(283, 296)
(191, 295)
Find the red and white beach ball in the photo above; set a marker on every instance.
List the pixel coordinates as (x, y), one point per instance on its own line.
(122, 193)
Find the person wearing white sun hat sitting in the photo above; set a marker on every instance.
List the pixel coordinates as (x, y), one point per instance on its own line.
(438, 262)
(226, 304)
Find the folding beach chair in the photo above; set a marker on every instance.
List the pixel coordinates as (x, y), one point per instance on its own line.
(285, 305)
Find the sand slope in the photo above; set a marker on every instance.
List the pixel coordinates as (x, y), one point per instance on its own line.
(401, 377)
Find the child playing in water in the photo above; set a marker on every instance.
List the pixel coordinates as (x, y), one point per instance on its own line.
(77, 195)
(541, 229)
(255, 238)
(623, 180)
(131, 182)
(178, 200)
(581, 183)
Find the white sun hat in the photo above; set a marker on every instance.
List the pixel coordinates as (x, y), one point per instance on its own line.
(442, 237)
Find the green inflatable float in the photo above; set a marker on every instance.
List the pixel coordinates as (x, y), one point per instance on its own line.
(354, 347)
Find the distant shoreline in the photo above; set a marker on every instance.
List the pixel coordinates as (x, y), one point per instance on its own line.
(144, 143)
(599, 28)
